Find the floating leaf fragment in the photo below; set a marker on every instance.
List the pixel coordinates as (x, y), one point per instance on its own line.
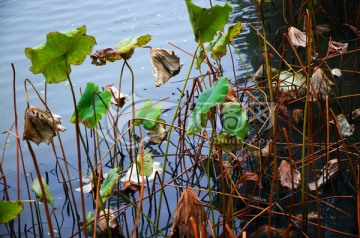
(100, 57)
(10, 210)
(189, 207)
(335, 46)
(320, 85)
(328, 173)
(41, 126)
(345, 128)
(289, 177)
(297, 37)
(119, 99)
(165, 64)
(126, 47)
(35, 186)
(54, 57)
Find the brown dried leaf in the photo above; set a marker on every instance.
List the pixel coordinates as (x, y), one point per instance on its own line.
(320, 85)
(231, 96)
(266, 151)
(328, 173)
(355, 115)
(119, 99)
(297, 37)
(261, 72)
(289, 177)
(189, 206)
(158, 133)
(345, 128)
(40, 126)
(297, 116)
(131, 186)
(311, 215)
(248, 176)
(335, 46)
(110, 215)
(101, 56)
(269, 231)
(165, 64)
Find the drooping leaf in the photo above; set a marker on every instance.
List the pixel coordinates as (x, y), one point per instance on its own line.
(10, 210)
(165, 64)
(207, 21)
(345, 128)
(147, 161)
(54, 57)
(35, 186)
(266, 151)
(92, 106)
(131, 186)
(297, 115)
(148, 111)
(189, 207)
(328, 173)
(334, 46)
(157, 133)
(290, 82)
(126, 47)
(41, 126)
(219, 49)
(119, 99)
(109, 220)
(297, 37)
(207, 99)
(106, 188)
(234, 120)
(320, 85)
(100, 57)
(289, 177)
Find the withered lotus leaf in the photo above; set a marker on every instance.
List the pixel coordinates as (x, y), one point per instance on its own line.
(328, 173)
(346, 128)
(335, 46)
(40, 126)
(165, 64)
(355, 115)
(117, 98)
(189, 206)
(320, 85)
(297, 116)
(297, 37)
(101, 56)
(289, 177)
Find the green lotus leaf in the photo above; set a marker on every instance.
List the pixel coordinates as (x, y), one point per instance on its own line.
(108, 184)
(126, 47)
(54, 57)
(234, 120)
(207, 99)
(148, 111)
(207, 21)
(35, 186)
(92, 106)
(148, 163)
(10, 210)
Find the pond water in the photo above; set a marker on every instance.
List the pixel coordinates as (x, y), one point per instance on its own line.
(26, 23)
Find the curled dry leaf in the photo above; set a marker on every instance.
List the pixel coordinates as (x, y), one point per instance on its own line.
(297, 116)
(41, 126)
(158, 133)
(328, 173)
(188, 207)
(262, 73)
(345, 128)
(231, 96)
(119, 99)
(165, 64)
(266, 151)
(289, 177)
(101, 56)
(297, 37)
(131, 186)
(335, 46)
(110, 215)
(355, 115)
(320, 85)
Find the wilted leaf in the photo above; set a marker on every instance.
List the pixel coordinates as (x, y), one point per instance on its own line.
(297, 116)
(157, 134)
(262, 73)
(35, 186)
(165, 64)
(219, 49)
(290, 82)
(134, 174)
(355, 115)
(148, 111)
(266, 151)
(188, 207)
(207, 21)
(297, 37)
(335, 46)
(147, 160)
(320, 85)
(101, 56)
(126, 47)
(249, 176)
(131, 186)
(231, 95)
(328, 173)
(207, 99)
(234, 121)
(40, 126)
(92, 106)
(289, 177)
(10, 210)
(336, 73)
(346, 128)
(54, 57)
(108, 220)
(110, 181)
(119, 99)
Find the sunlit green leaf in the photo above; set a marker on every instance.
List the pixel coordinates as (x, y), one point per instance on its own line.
(219, 49)
(92, 106)
(208, 99)
(54, 57)
(10, 210)
(148, 163)
(148, 111)
(108, 184)
(127, 46)
(35, 186)
(234, 120)
(207, 21)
